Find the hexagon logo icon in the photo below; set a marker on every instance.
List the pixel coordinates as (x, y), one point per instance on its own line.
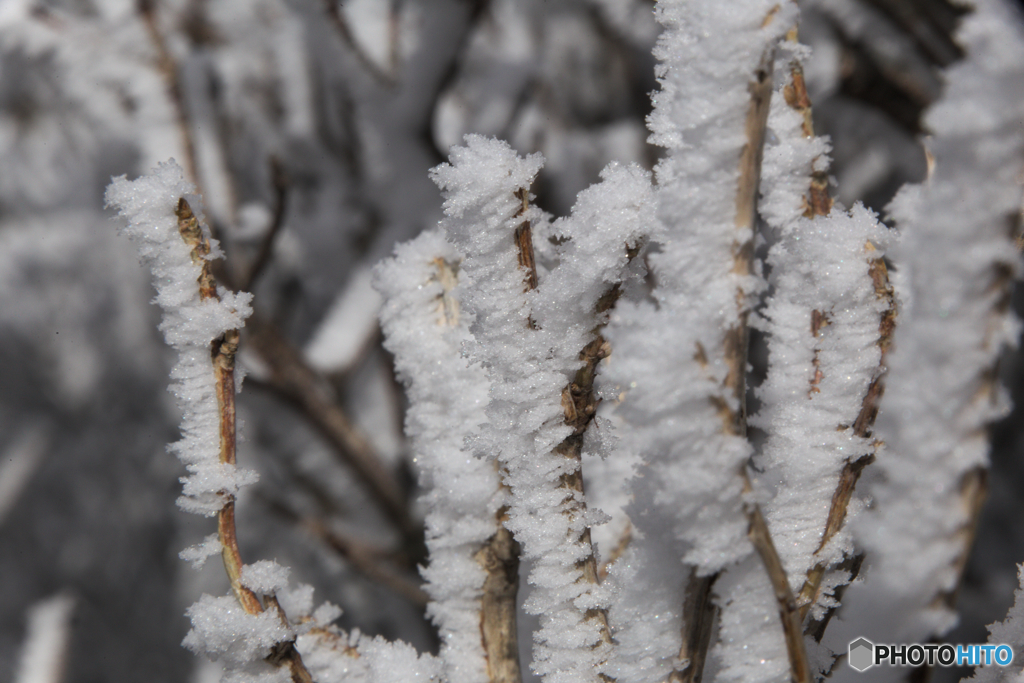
(862, 654)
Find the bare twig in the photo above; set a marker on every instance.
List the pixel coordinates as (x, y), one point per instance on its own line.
(293, 379)
(280, 180)
(223, 352)
(169, 70)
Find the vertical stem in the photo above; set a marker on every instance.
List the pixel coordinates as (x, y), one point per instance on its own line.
(699, 611)
(222, 353)
(169, 70)
(499, 558)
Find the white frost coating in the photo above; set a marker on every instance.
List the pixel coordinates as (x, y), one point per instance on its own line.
(398, 662)
(668, 360)
(812, 396)
(264, 577)
(222, 630)
(957, 255)
(198, 554)
(816, 384)
(425, 331)
(530, 342)
(814, 391)
(189, 325)
(330, 656)
(1010, 631)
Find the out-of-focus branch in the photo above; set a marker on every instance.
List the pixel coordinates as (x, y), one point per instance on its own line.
(280, 180)
(293, 379)
(169, 70)
(368, 560)
(341, 25)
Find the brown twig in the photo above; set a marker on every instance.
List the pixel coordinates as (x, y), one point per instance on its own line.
(499, 558)
(223, 353)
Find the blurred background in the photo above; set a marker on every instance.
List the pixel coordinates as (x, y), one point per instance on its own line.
(309, 127)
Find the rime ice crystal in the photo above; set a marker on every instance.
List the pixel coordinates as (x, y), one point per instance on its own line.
(190, 325)
(669, 361)
(823, 326)
(530, 341)
(958, 259)
(425, 330)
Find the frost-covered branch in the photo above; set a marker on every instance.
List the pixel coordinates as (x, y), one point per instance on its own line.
(472, 577)
(957, 259)
(201, 321)
(706, 283)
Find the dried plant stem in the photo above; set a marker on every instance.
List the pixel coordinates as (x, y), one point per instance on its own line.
(818, 202)
(498, 556)
(699, 614)
(223, 353)
(699, 610)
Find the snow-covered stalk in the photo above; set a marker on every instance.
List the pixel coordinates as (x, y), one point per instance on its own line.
(201, 321)
(721, 56)
(536, 337)
(957, 260)
(222, 353)
(827, 323)
(472, 577)
(800, 159)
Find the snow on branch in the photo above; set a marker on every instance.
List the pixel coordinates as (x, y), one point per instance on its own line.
(157, 213)
(537, 340)
(425, 330)
(957, 259)
(680, 361)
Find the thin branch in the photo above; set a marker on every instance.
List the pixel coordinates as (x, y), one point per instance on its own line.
(223, 353)
(280, 180)
(293, 379)
(338, 20)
